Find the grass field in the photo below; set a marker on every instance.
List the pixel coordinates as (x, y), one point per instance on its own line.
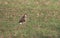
(43, 19)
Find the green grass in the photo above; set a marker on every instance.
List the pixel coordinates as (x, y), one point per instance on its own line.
(44, 25)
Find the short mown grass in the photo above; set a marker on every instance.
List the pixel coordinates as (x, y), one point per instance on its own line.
(43, 19)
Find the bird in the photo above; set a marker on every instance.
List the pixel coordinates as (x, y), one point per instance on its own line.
(23, 19)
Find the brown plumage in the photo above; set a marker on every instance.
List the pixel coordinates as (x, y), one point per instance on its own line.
(22, 19)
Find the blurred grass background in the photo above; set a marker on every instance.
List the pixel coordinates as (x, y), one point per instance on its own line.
(43, 18)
